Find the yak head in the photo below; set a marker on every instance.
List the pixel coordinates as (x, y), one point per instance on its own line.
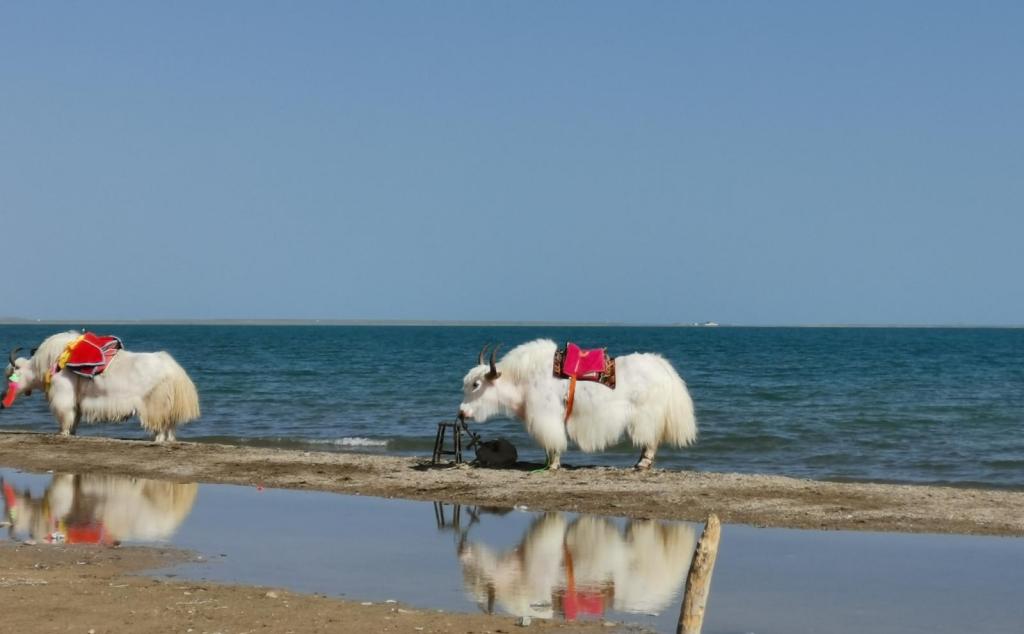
(484, 394)
(19, 378)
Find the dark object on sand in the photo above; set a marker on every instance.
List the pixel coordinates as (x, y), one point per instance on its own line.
(457, 428)
(496, 454)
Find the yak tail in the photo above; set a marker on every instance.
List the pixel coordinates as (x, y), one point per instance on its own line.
(680, 424)
(175, 498)
(171, 402)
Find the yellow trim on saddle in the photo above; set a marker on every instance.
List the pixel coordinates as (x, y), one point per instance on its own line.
(62, 361)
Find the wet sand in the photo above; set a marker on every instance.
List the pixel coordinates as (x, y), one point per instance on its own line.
(757, 500)
(90, 589)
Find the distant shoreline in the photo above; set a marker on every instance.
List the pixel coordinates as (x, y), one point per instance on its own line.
(16, 321)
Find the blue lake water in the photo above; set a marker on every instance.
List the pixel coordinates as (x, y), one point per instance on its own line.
(561, 566)
(904, 405)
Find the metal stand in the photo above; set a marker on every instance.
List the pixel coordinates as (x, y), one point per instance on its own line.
(457, 427)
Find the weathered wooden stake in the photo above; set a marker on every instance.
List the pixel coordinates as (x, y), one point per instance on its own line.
(698, 582)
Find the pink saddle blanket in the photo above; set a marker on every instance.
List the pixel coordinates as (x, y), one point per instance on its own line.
(585, 365)
(91, 354)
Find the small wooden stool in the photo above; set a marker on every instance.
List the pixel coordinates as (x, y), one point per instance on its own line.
(457, 427)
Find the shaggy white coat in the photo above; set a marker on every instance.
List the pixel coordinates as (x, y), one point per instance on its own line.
(128, 508)
(641, 569)
(149, 385)
(650, 402)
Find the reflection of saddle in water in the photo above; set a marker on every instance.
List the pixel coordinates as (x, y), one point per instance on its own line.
(582, 568)
(100, 509)
(89, 355)
(574, 602)
(84, 533)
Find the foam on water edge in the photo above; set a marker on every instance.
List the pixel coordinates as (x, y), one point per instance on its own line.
(350, 441)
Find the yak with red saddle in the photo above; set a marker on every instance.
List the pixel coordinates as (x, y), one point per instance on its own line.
(584, 396)
(90, 378)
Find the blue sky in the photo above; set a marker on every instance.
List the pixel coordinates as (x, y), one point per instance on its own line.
(744, 162)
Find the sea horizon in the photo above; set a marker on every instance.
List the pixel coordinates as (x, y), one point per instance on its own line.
(243, 321)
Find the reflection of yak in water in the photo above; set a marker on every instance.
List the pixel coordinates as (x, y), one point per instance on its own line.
(581, 568)
(99, 509)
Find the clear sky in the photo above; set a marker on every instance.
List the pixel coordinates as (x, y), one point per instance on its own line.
(743, 162)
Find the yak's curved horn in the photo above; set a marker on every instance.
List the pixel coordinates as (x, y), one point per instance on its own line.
(32, 352)
(493, 372)
(483, 351)
(13, 355)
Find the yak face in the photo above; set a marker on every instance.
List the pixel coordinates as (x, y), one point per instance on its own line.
(482, 396)
(18, 379)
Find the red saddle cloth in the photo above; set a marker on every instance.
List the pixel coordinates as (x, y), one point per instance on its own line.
(91, 354)
(576, 364)
(585, 365)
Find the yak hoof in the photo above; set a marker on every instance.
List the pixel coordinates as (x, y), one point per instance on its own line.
(644, 465)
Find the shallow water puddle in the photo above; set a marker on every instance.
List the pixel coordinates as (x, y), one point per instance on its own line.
(544, 565)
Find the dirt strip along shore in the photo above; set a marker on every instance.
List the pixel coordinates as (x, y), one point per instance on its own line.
(89, 589)
(759, 500)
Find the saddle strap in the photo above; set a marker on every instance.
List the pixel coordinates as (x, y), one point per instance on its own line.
(568, 401)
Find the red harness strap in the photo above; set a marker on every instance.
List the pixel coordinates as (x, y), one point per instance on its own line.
(574, 363)
(569, 399)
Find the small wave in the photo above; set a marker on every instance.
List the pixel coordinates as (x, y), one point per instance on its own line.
(350, 441)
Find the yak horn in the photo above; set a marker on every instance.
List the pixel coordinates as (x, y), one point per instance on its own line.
(32, 352)
(483, 351)
(12, 355)
(493, 372)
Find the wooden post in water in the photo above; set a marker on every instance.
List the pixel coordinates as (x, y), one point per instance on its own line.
(698, 582)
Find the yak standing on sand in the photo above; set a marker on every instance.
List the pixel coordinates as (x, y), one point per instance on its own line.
(649, 400)
(150, 385)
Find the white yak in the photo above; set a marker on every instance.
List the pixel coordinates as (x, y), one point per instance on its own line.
(650, 402)
(149, 385)
(569, 568)
(99, 509)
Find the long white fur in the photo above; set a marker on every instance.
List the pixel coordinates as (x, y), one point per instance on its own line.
(128, 508)
(522, 581)
(650, 402)
(149, 385)
(644, 566)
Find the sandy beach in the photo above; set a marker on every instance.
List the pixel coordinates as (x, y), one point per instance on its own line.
(107, 589)
(758, 500)
(89, 589)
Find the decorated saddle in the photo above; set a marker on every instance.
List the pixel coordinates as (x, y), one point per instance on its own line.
(576, 364)
(89, 355)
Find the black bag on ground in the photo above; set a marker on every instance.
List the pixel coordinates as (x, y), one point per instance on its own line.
(496, 454)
